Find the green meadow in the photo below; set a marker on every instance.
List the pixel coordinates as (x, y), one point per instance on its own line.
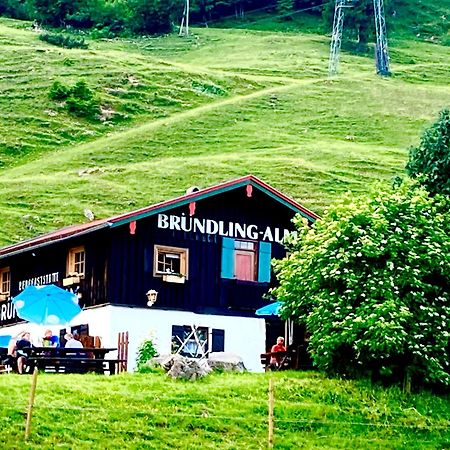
(226, 411)
(217, 105)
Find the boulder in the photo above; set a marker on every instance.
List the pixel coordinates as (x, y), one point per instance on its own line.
(178, 366)
(188, 368)
(228, 362)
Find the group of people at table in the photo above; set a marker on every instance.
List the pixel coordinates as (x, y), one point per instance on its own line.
(17, 356)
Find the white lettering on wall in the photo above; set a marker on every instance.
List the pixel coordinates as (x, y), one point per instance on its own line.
(7, 312)
(38, 281)
(230, 229)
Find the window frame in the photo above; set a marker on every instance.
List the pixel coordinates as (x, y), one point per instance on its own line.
(71, 262)
(244, 251)
(5, 294)
(184, 260)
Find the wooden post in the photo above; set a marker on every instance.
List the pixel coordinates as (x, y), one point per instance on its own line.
(30, 403)
(270, 412)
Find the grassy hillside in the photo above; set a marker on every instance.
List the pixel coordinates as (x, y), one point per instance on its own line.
(222, 411)
(180, 112)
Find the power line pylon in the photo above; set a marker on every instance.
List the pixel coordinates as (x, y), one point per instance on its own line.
(184, 27)
(336, 36)
(381, 48)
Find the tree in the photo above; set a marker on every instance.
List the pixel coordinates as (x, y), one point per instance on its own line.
(53, 12)
(152, 16)
(430, 161)
(371, 282)
(359, 21)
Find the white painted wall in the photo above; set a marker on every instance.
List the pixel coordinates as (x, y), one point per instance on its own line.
(244, 336)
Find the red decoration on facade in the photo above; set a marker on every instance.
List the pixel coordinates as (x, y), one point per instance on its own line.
(191, 208)
(133, 227)
(249, 190)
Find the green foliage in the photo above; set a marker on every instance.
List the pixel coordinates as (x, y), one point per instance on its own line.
(371, 281)
(285, 8)
(53, 12)
(61, 40)
(359, 21)
(14, 8)
(79, 99)
(430, 161)
(152, 16)
(58, 91)
(146, 351)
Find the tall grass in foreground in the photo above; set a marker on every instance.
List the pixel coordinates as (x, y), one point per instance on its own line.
(224, 411)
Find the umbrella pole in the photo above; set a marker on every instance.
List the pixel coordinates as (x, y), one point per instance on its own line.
(30, 403)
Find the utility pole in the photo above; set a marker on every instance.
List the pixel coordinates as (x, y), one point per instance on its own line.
(184, 27)
(336, 36)
(381, 48)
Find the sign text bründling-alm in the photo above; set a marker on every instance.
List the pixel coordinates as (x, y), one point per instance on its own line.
(220, 227)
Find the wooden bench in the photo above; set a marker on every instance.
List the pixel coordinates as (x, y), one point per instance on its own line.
(284, 357)
(74, 364)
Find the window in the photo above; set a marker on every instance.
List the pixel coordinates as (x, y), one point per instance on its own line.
(195, 342)
(170, 261)
(76, 261)
(5, 283)
(190, 341)
(246, 260)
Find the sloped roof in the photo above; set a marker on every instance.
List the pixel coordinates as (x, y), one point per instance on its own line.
(121, 219)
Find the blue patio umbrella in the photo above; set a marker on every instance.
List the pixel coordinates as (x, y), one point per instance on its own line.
(272, 309)
(4, 341)
(46, 305)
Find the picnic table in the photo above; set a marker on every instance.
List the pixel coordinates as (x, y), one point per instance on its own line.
(72, 360)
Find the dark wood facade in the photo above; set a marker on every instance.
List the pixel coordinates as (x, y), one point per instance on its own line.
(119, 252)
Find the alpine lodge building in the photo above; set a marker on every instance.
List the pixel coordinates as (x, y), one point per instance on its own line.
(199, 261)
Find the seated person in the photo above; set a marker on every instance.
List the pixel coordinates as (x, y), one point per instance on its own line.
(23, 341)
(49, 340)
(71, 342)
(275, 360)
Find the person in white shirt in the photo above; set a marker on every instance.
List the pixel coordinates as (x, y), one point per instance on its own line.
(71, 342)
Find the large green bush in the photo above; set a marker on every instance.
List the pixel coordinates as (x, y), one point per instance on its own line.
(371, 282)
(430, 161)
(79, 99)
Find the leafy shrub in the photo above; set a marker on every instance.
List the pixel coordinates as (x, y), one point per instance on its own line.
(430, 161)
(371, 282)
(61, 40)
(146, 351)
(58, 91)
(79, 99)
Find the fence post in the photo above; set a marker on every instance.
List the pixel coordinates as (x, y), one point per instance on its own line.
(270, 412)
(30, 403)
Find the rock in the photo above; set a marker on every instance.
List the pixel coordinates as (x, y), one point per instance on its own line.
(178, 366)
(188, 368)
(228, 362)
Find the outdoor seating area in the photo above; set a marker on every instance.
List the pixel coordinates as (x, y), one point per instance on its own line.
(89, 358)
(69, 360)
